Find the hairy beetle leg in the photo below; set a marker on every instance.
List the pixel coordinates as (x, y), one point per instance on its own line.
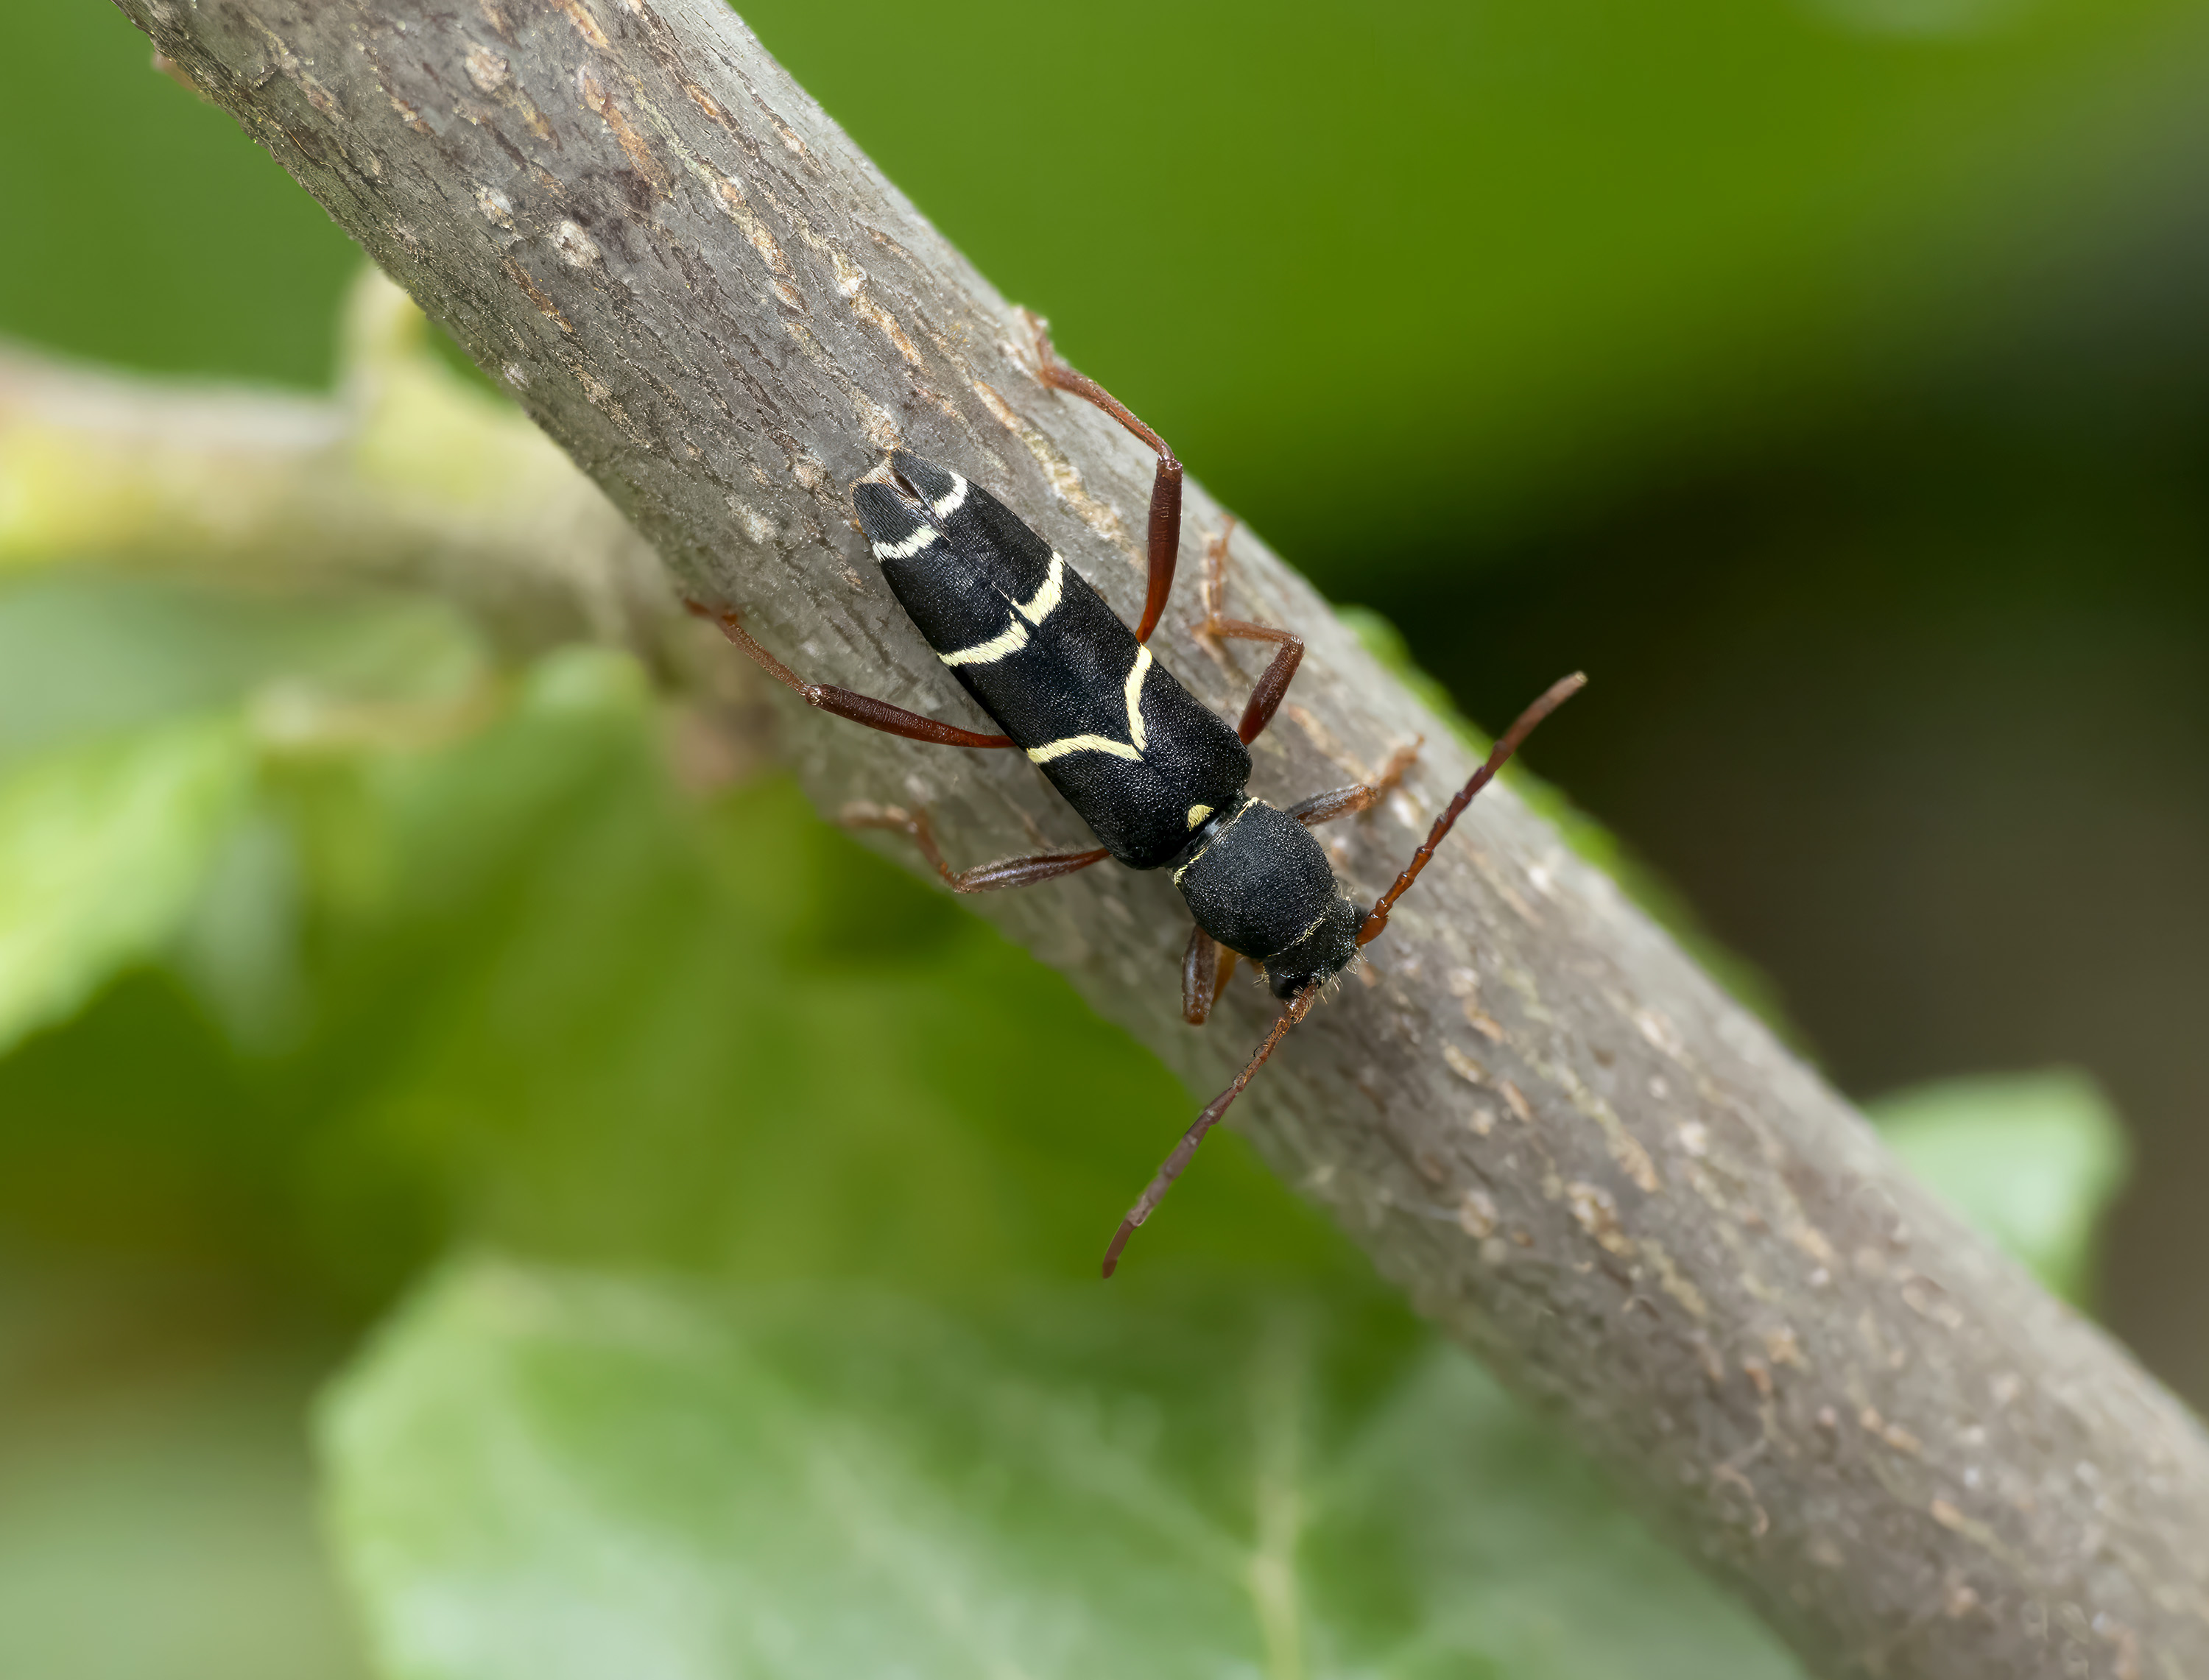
(1359, 795)
(1166, 547)
(1273, 685)
(843, 703)
(1206, 966)
(1165, 484)
(983, 877)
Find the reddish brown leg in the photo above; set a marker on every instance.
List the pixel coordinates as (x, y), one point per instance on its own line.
(1273, 685)
(1557, 695)
(1165, 484)
(859, 708)
(984, 878)
(1154, 1192)
(1361, 796)
(1206, 966)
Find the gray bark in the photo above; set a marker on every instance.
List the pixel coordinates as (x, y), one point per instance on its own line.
(1573, 1152)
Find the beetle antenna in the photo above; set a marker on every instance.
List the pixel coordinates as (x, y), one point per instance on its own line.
(1557, 694)
(1155, 1191)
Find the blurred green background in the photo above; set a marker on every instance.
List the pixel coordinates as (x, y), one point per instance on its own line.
(1825, 376)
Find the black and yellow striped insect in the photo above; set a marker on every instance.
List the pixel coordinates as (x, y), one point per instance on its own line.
(1160, 780)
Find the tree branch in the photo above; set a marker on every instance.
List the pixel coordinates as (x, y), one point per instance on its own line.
(404, 477)
(1574, 1153)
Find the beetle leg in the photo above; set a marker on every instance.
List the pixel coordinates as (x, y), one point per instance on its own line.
(1359, 795)
(1166, 548)
(1147, 1204)
(858, 708)
(1555, 695)
(983, 877)
(1206, 966)
(1165, 482)
(1273, 685)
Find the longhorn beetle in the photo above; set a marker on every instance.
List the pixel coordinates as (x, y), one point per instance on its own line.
(1157, 778)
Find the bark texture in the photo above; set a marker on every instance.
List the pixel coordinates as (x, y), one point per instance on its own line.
(1570, 1148)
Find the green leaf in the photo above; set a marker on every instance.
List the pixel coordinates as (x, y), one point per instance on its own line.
(125, 770)
(2033, 1160)
(550, 1474)
(103, 848)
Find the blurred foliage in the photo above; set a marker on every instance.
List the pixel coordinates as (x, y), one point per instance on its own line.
(331, 945)
(1456, 261)
(157, 1497)
(162, 241)
(460, 963)
(101, 850)
(1590, 838)
(1582, 238)
(2030, 1158)
(452, 921)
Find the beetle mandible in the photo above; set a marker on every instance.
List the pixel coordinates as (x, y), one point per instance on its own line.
(1160, 780)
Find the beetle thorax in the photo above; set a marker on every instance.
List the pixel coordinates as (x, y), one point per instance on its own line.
(1258, 883)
